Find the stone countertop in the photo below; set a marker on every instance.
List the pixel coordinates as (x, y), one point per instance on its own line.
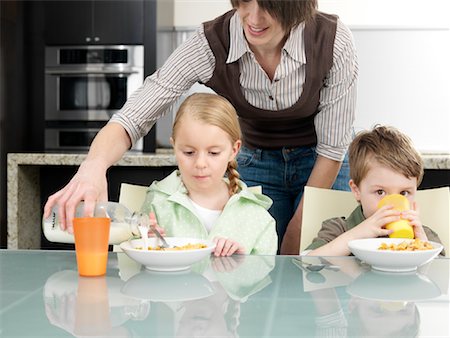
(160, 159)
(23, 192)
(163, 157)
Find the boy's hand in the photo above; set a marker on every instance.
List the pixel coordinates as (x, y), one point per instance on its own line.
(412, 216)
(227, 247)
(373, 226)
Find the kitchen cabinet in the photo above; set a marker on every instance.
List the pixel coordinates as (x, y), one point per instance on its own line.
(94, 22)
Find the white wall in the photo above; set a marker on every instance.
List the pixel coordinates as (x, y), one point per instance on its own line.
(403, 49)
(194, 12)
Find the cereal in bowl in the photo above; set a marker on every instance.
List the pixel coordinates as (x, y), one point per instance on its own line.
(414, 245)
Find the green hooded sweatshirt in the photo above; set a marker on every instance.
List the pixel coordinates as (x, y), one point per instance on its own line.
(244, 219)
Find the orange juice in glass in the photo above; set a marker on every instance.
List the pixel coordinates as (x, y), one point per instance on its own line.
(91, 244)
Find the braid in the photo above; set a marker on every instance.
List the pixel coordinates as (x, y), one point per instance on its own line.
(232, 315)
(233, 177)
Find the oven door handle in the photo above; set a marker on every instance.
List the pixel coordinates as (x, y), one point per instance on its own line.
(90, 72)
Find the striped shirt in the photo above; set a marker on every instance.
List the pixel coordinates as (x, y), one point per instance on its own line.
(193, 61)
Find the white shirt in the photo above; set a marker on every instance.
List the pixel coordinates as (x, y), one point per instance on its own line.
(207, 216)
(193, 61)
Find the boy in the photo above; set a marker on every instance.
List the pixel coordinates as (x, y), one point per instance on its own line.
(382, 162)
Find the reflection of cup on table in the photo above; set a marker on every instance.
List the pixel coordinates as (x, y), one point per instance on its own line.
(91, 244)
(92, 307)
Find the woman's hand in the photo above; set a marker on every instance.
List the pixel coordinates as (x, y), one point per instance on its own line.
(89, 185)
(227, 247)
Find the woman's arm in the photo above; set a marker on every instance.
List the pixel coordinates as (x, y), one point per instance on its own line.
(89, 183)
(323, 175)
(193, 61)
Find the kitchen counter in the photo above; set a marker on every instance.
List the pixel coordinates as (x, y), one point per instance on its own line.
(23, 193)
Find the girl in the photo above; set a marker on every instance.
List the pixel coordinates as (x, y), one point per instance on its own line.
(196, 200)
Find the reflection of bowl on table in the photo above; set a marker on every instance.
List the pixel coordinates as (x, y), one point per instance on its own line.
(165, 287)
(167, 260)
(386, 286)
(390, 260)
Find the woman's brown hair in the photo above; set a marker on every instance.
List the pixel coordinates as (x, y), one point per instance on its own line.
(214, 110)
(289, 13)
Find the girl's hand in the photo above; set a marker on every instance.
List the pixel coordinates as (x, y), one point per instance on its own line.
(227, 264)
(154, 223)
(227, 247)
(373, 226)
(413, 217)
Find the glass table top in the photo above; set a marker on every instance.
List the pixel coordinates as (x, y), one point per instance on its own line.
(41, 295)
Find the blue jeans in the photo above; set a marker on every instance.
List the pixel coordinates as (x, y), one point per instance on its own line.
(282, 174)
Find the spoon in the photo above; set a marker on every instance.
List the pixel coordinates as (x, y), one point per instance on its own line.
(313, 267)
(164, 244)
(316, 267)
(152, 226)
(316, 278)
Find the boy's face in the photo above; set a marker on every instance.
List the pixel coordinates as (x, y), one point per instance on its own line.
(379, 182)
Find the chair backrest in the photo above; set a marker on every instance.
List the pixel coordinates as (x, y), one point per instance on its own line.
(321, 204)
(132, 196)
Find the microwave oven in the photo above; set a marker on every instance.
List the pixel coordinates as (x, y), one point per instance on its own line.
(84, 87)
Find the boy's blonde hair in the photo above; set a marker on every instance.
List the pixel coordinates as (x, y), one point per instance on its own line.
(217, 111)
(389, 147)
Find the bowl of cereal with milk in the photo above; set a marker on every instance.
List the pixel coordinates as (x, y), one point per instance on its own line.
(394, 254)
(182, 253)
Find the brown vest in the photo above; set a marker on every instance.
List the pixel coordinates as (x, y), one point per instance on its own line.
(266, 129)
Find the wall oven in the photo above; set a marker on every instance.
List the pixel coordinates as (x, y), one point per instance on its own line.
(84, 87)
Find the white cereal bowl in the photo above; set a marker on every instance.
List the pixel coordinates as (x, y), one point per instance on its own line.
(390, 260)
(393, 287)
(159, 286)
(167, 260)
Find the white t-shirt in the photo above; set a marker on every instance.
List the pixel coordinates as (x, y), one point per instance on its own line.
(207, 216)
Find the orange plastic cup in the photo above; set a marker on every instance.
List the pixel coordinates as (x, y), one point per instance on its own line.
(92, 316)
(400, 228)
(91, 244)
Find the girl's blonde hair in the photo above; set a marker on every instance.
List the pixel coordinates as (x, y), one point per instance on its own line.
(217, 111)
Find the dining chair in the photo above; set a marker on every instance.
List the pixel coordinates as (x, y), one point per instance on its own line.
(132, 195)
(320, 204)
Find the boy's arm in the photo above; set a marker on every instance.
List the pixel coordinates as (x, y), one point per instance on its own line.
(330, 231)
(337, 247)
(372, 227)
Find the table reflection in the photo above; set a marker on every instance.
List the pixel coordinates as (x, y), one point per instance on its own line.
(202, 302)
(238, 296)
(380, 304)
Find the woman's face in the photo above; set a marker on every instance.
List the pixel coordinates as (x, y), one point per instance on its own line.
(261, 30)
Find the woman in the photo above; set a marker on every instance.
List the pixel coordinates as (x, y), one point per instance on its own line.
(289, 71)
